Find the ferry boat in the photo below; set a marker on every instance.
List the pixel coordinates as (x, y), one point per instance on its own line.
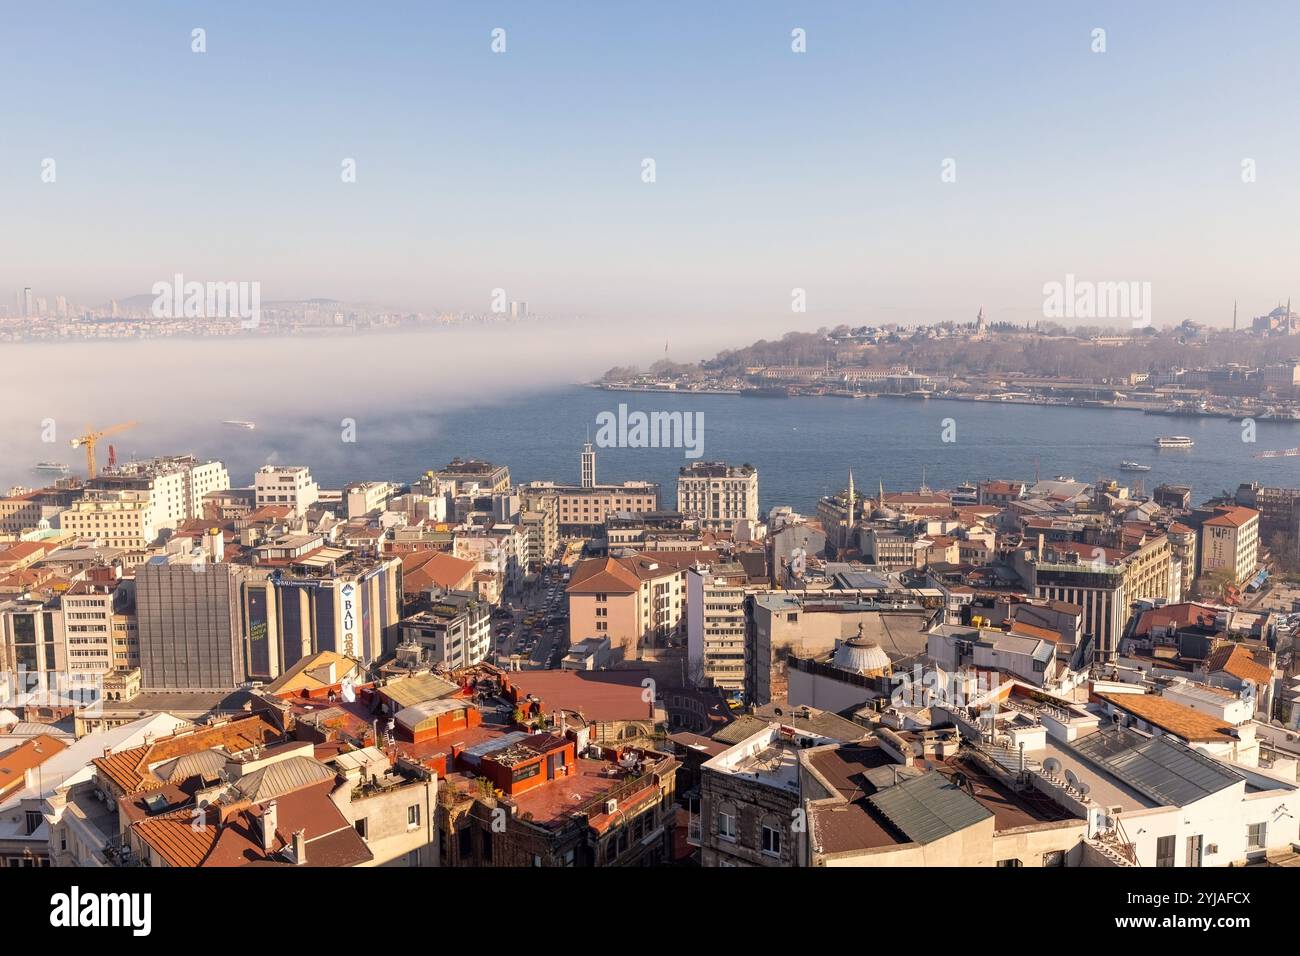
(55, 467)
(238, 424)
(1133, 466)
(1174, 441)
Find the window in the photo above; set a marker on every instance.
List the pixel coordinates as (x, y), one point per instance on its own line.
(33, 821)
(413, 815)
(726, 825)
(771, 840)
(1165, 851)
(361, 827)
(1010, 864)
(1256, 836)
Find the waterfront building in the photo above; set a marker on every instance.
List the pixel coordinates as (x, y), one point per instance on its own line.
(290, 485)
(490, 478)
(583, 509)
(717, 493)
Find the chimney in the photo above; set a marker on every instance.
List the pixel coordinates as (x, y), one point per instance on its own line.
(270, 819)
(300, 847)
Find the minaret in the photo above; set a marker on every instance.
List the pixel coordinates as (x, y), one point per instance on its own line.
(851, 498)
(1234, 315)
(588, 465)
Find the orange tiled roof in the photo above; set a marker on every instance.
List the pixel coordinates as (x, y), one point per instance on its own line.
(129, 769)
(604, 575)
(1231, 516)
(1190, 725)
(15, 763)
(1239, 662)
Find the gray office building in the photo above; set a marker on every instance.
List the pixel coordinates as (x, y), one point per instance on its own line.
(190, 624)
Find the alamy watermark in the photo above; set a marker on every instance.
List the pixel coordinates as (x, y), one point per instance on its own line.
(179, 299)
(624, 429)
(1083, 299)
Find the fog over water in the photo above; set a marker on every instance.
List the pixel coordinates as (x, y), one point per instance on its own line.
(179, 390)
(509, 394)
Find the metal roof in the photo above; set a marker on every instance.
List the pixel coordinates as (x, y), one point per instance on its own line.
(929, 807)
(472, 755)
(281, 777)
(1156, 767)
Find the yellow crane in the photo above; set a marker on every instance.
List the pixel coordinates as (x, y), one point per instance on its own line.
(91, 437)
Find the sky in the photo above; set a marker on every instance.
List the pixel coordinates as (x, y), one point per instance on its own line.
(774, 170)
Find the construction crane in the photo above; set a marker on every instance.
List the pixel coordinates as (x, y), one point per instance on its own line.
(91, 437)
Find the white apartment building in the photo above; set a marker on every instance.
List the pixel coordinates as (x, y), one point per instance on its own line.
(715, 627)
(290, 485)
(127, 506)
(363, 497)
(718, 493)
(88, 617)
(176, 484)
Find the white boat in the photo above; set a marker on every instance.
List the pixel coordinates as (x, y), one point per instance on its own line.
(240, 424)
(1174, 441)
(1133, 466)
(57, 467)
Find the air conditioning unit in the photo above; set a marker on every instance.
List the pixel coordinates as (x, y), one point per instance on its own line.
(611, 806)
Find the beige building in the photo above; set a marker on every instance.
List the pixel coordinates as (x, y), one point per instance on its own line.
(1230, 540)
(117, 519)
(638, 602)
(582, 511)
(718, 493)
(540, 520)
(88, 620)
(176, 485)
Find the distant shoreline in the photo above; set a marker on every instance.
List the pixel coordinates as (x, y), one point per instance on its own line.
(913, 396)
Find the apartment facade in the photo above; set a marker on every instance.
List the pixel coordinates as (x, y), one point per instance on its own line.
(582, 511)
(715, 627)
(718, 493)
(290, 485)
(455, 632)
(1230, 541)
(190, 625)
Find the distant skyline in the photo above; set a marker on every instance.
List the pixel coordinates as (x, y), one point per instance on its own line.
(775, 170)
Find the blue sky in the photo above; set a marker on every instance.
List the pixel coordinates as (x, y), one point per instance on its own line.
(775, 170)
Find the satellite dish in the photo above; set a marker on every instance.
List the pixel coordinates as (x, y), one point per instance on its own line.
(1071, 779)
(1082, 787)
(1052, 766)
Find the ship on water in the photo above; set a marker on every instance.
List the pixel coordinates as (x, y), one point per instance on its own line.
(1174, 441)
(1133, 466)
(52, 467)
(240, 424)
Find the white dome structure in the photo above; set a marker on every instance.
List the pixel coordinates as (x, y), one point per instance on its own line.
(859, 655)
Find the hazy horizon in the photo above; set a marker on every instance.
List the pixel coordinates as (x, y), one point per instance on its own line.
(774, 170)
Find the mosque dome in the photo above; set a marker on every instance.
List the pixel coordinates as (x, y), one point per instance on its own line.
(860, 655)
